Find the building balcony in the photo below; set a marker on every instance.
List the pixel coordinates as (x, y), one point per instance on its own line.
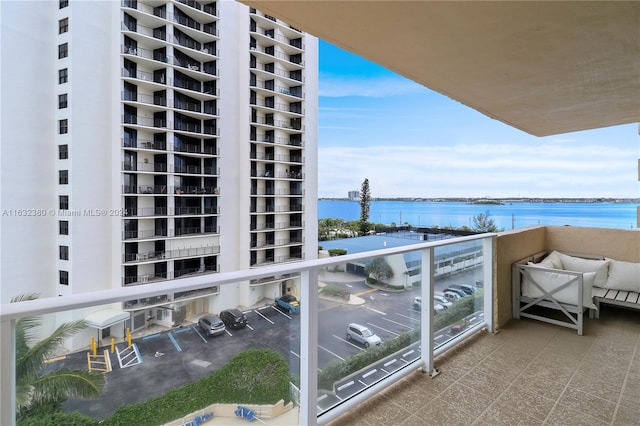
(162, 276)
(151, 256)
(163, 234)
(447, 370)
(207, 8)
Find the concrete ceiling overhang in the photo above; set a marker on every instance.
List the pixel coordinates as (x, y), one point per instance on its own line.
(545, 67)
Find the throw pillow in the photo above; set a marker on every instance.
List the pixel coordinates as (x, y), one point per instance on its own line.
(623, 276)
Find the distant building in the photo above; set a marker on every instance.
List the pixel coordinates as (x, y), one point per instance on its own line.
(354, 195)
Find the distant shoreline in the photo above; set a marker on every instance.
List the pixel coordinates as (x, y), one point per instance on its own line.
(485, 200)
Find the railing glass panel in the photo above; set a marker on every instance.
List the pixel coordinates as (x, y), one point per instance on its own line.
(317, 360)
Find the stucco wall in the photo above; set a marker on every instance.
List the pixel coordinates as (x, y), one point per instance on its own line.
(619, 244)
(511, 246)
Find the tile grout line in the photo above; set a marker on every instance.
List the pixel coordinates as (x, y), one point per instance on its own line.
(626, 377)
(557, 402)
(511, 382)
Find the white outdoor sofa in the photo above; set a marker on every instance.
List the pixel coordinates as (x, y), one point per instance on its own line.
(570, 285)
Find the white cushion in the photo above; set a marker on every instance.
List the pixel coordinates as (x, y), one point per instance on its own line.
(552, 261)
(578, 264)
(550, 280)
(623, 276)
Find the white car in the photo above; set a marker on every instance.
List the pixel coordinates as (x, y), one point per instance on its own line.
(438, 306)
(442, 299)
(451, 296)
(362, 335)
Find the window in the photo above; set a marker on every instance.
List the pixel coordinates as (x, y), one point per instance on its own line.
(63, 152)
(63, 25)
(64, 3)
(62, 101)
(63, 126)
(63, 252)
(63, 227)
(64, 202)
(63, 177)
(64, 277)
(63, 50)
(63, 75)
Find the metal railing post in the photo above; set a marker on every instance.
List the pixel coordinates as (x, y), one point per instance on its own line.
(8, 372)
(309, 348)
(426, 313)
(488, 266)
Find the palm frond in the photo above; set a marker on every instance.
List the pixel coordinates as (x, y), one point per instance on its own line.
(61, 384)
(31, 361)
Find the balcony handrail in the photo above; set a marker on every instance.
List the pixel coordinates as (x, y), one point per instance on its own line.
(308, 269)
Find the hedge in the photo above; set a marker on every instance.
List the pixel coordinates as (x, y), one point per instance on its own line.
(337, 370)
(255, 376)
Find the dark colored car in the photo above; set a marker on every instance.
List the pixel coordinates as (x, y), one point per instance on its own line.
(467, 288)
(233, 318)
(458, 291)
(211, 325)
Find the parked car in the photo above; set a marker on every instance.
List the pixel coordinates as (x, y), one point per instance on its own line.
(233, 318)
(362, 335)
(437, 306)
(458, 328)
(467, 288)
(458, 291)
(453, 297)
(211, 325)
(442, 299)
(288, 303)
(417, 303)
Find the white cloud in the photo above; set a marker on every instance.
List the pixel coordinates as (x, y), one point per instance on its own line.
(543, 170)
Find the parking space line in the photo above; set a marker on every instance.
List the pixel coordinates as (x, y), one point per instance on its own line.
(175, 343)
(409, 317)
(250, 328)
(383, 329)
(229, 333)
(280, 312)
(181, 330)
(263, 317)
(398, 323)
(346, 341)
(151, 336)
(376, 311)
(295, 354)
(332, 353)
(199, 334)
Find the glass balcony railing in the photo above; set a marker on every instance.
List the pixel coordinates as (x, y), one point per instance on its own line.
(357, 324)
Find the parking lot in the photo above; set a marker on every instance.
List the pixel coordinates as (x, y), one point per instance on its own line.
(171, 358)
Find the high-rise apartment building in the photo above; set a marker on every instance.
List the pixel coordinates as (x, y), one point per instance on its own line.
(151, 140)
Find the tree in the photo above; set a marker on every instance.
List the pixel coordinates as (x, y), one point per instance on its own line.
(482, 222)
(34, 389)
(365, 201)
(378, 269)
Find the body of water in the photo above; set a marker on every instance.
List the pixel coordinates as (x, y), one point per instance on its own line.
(505, 216)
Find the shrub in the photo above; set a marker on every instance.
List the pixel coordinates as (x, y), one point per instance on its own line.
(337, 252)
(337, 369)
(333, 291)
(57, 418)
(255, 376)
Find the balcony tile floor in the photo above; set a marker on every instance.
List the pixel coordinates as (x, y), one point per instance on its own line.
(530, 373)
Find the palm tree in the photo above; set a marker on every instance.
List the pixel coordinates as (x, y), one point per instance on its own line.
(34, 389)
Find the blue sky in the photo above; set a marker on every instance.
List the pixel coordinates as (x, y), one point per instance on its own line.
(412, 142)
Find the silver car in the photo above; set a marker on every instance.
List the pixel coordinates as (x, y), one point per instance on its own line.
(211, 325)
(362, 335)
